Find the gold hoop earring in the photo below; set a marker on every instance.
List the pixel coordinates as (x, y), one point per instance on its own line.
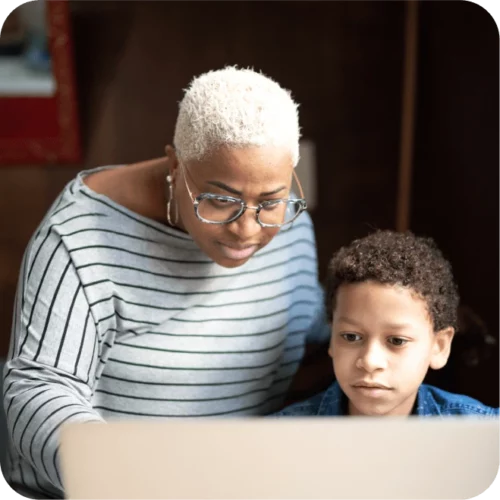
(170, 184)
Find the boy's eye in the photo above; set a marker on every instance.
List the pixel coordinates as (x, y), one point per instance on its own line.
(397, 341)
(351, 337)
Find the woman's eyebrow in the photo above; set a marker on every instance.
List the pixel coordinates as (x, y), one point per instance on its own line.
(231, 190)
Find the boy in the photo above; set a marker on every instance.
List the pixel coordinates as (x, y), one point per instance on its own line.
(392, 303)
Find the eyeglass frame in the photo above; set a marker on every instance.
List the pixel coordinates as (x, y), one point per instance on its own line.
(244, 207)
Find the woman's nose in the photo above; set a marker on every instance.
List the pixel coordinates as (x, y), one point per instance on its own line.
(245, 227)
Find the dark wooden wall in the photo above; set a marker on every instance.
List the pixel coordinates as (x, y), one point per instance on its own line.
(455, 186)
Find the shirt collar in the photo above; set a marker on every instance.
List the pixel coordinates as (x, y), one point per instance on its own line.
(426, 404)
(334, 402)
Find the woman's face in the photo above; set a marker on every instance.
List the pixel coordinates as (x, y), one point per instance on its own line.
(254, 174)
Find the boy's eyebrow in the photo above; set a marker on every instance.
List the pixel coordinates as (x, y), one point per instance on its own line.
(345, 319)
(397, 326)
(389, 326)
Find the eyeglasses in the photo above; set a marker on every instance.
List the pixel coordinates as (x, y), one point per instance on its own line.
(220, 209)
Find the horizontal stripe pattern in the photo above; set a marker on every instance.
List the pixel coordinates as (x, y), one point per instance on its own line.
(117, 316)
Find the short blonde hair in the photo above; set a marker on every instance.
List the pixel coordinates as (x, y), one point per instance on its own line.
(236, 108)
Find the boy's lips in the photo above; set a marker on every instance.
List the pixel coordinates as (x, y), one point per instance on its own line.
(371, 385)
(371, 389)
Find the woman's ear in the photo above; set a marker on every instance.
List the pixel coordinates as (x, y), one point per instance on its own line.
(172, 161)
(169, 150)
(441, 348)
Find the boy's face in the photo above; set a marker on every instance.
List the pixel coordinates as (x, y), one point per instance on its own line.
(382, 345)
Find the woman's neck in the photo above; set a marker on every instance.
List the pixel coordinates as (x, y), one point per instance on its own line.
(140, 187)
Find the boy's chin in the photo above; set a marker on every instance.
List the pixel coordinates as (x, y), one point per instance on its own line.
(379, 408)
(369, 410)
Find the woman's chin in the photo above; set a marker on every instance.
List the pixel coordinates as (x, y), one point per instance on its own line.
(230, 263)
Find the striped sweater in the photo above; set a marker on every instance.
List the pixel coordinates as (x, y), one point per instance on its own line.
(118, 316)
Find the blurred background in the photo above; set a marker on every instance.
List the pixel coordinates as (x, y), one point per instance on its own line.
(399, 112)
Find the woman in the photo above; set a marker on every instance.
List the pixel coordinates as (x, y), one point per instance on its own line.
(181, 286)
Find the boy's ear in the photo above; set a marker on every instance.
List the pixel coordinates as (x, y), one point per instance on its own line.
(442, 347)
(330, 348)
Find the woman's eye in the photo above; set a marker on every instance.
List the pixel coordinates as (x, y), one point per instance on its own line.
(351, 337)
(397, 341)
(219, 203)
(270, 208)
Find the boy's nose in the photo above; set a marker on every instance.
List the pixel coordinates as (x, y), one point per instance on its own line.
(372, 358)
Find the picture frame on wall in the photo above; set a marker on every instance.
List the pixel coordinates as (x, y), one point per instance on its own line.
(39, 121)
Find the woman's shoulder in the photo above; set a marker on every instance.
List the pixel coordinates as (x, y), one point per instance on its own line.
(85, 223)
(89, 203)
(76, 208)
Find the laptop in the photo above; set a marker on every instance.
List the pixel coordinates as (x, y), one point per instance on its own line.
(293, 458)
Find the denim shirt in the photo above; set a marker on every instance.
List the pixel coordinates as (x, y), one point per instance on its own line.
(431, 401)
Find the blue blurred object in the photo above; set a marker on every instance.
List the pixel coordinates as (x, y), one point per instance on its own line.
(36, 55)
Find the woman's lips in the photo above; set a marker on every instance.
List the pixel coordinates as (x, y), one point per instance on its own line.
(234, 252)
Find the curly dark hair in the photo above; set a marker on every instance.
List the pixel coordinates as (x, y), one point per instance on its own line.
(393, 258)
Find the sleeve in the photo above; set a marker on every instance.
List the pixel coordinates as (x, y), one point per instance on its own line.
(53, 356)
